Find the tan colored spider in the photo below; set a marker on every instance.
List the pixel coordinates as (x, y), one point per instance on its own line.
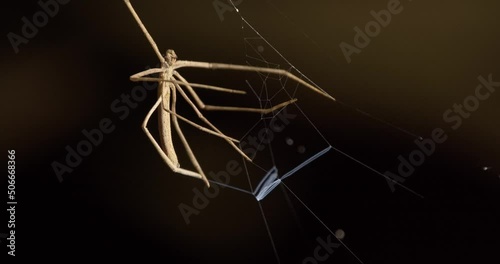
(170, 82)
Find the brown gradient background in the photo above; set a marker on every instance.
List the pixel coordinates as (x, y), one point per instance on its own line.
(122, 201)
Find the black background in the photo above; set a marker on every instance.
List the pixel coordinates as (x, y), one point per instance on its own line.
(123, 201)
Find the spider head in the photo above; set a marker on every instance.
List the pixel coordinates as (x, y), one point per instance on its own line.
(170, 57)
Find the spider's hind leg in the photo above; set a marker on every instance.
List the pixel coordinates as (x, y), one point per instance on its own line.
(160, 150)
(190, 153)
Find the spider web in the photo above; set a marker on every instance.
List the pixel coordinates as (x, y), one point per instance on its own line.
(284, 145)
(287, 128)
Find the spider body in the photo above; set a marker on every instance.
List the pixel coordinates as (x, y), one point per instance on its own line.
(165, 89)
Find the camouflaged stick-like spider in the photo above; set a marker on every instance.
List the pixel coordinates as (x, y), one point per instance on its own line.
(171, 81)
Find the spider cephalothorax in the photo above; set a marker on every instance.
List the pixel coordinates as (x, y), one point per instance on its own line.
(170, 57)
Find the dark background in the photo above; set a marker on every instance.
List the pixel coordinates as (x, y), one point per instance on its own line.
(122, 201)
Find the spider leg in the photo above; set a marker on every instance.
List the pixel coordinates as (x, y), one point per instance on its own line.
(204, 129)
(190, 153)
(164, 156)
(137, 77)
(145, 31)
(208, 65)
(205, 120)
(202, 105)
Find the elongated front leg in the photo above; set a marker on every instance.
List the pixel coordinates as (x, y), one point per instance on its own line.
(235, 67)
(145, 31)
